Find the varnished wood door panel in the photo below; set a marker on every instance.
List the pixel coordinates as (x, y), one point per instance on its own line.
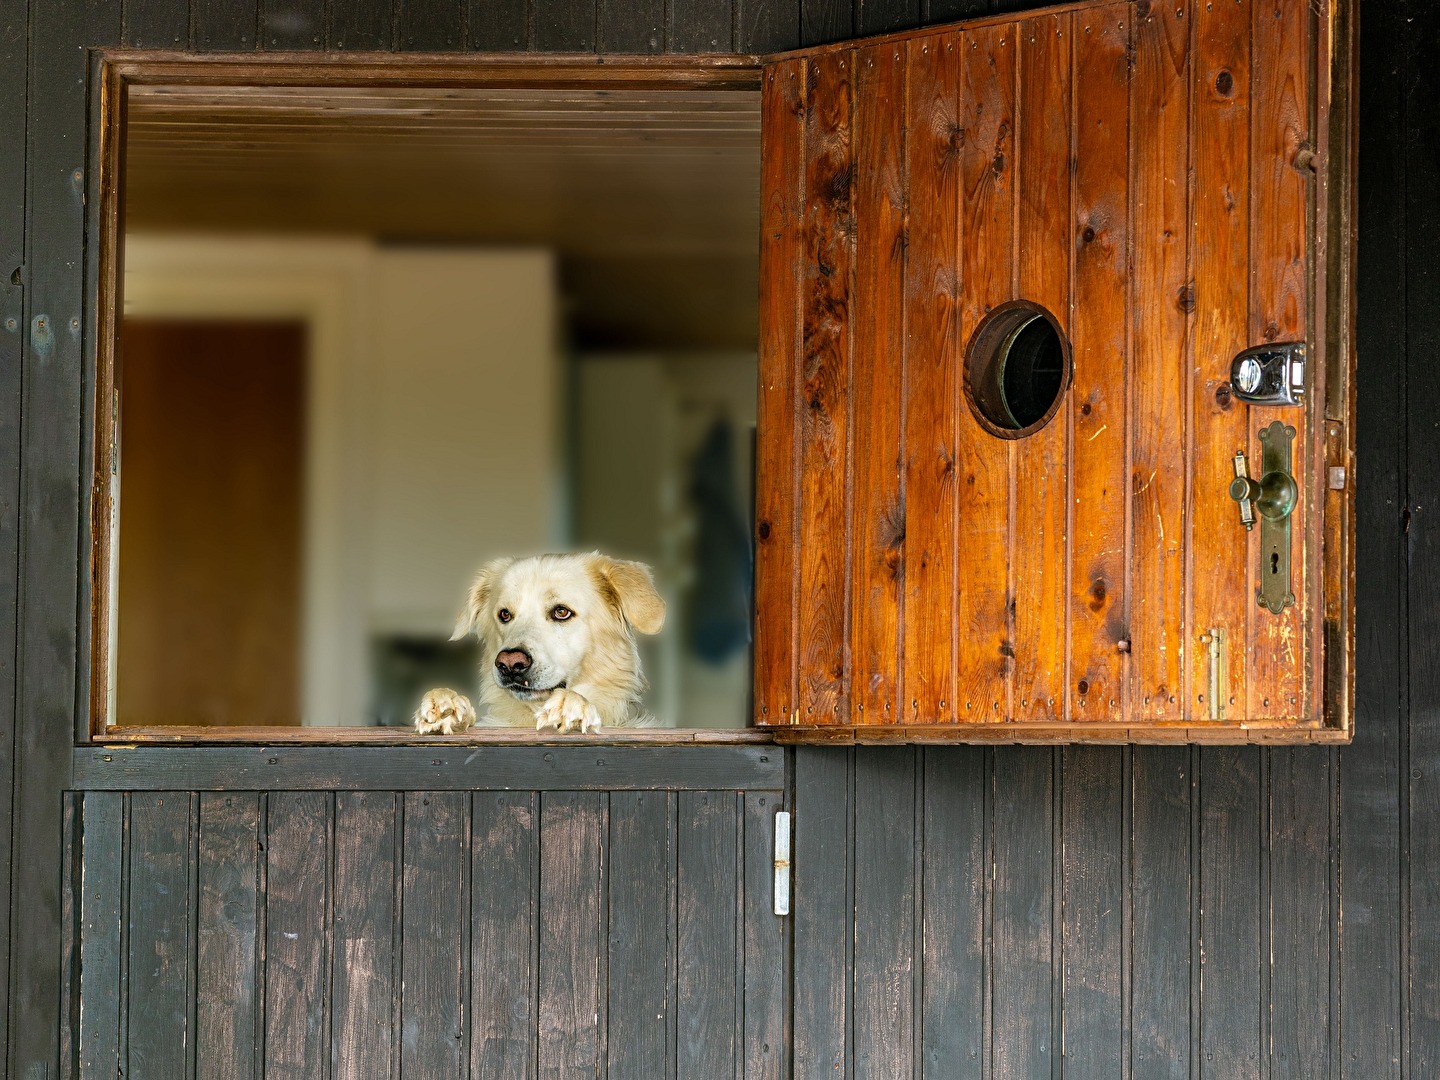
(1147, 175)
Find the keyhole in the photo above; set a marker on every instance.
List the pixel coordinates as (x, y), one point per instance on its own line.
(1274, 562)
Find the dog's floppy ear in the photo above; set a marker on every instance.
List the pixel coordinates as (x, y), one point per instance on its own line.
(477, 597)
(630, 588)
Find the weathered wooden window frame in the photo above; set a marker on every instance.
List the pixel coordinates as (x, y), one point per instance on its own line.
(114, 72)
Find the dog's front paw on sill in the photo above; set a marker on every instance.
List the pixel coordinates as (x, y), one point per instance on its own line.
(565, 710)
(444, 712)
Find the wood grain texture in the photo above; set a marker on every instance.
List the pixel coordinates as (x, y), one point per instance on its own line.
(1231, 923)
(160, 979)
(1022, 906)
(708, 1001)
(984, 633)
(767, 1036)
(1280, 126)
(47, 573)
(877, 513)
(297, 888)
(435, 925)
(227, 989)
(504, 934)
(822, 905)
(1371, 843)
(1302, 909)
(886, 843)
(1096, 918)
(1220, 246)
(1038, 552)
(782, 150)
(825, 401)
(932, 152)
(955, 1032)
(362, 981)
(101, 910)
(1161, 309)
(572, 1017)
(1101, 235)
(642, 939)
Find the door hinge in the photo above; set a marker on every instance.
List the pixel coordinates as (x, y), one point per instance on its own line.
(782, 862)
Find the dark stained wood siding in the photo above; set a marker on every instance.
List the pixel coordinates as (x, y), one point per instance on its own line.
(452, 933)
(1337, 879)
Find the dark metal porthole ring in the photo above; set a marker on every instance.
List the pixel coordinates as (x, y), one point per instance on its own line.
(1018, 369)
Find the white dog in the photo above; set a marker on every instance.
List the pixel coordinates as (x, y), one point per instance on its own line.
(557, 640)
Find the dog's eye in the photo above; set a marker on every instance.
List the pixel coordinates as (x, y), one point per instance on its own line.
(560, 613)
(504, 615)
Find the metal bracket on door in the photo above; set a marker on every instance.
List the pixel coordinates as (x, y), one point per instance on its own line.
(1272, 498)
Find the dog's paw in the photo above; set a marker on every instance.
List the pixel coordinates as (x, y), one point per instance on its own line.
(444, 712)
(565, 710)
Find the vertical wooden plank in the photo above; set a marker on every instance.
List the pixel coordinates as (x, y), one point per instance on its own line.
(884, 965)
(1161, 892)
(155, 24)
(1022, 911)
(1161, 303)
(1422, 385)
(157, 907)
(823, 912)
(885, 16)
(1217, 562)
(825, 390)
(767, 26)
(823, 21)
(226, 986)
(984, 643)
(431, 25)
(1094, 929)
(1280, 109)
(954, 969)
(932, 151)
(642, 942)
(1230, 912)
(1303, 919)
(1037, 556)
(1098, 587)
(634, 26)
(47, 683)
(224, 25)
(14, 79)
(1372, 769)
(564, 26)
(292, 24)
(497, 25)
(707, 996)
(767, 1036)
(297, 934)
(504, 927)
(360, 25)
(435, 929)
(572, 880)
(782, 185)
(701, 26)
(101, 911)
(363, 974)
(877, 521)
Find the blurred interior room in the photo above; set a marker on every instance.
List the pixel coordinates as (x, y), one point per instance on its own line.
(373, 338)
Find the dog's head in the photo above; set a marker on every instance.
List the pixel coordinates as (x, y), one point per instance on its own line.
(551, 621)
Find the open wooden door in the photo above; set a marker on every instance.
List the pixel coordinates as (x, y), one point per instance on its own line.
(985, 519)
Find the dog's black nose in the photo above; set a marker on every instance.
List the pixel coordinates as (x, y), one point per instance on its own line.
(513, 662)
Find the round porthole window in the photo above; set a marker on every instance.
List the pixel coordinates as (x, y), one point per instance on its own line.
(1017, 369)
